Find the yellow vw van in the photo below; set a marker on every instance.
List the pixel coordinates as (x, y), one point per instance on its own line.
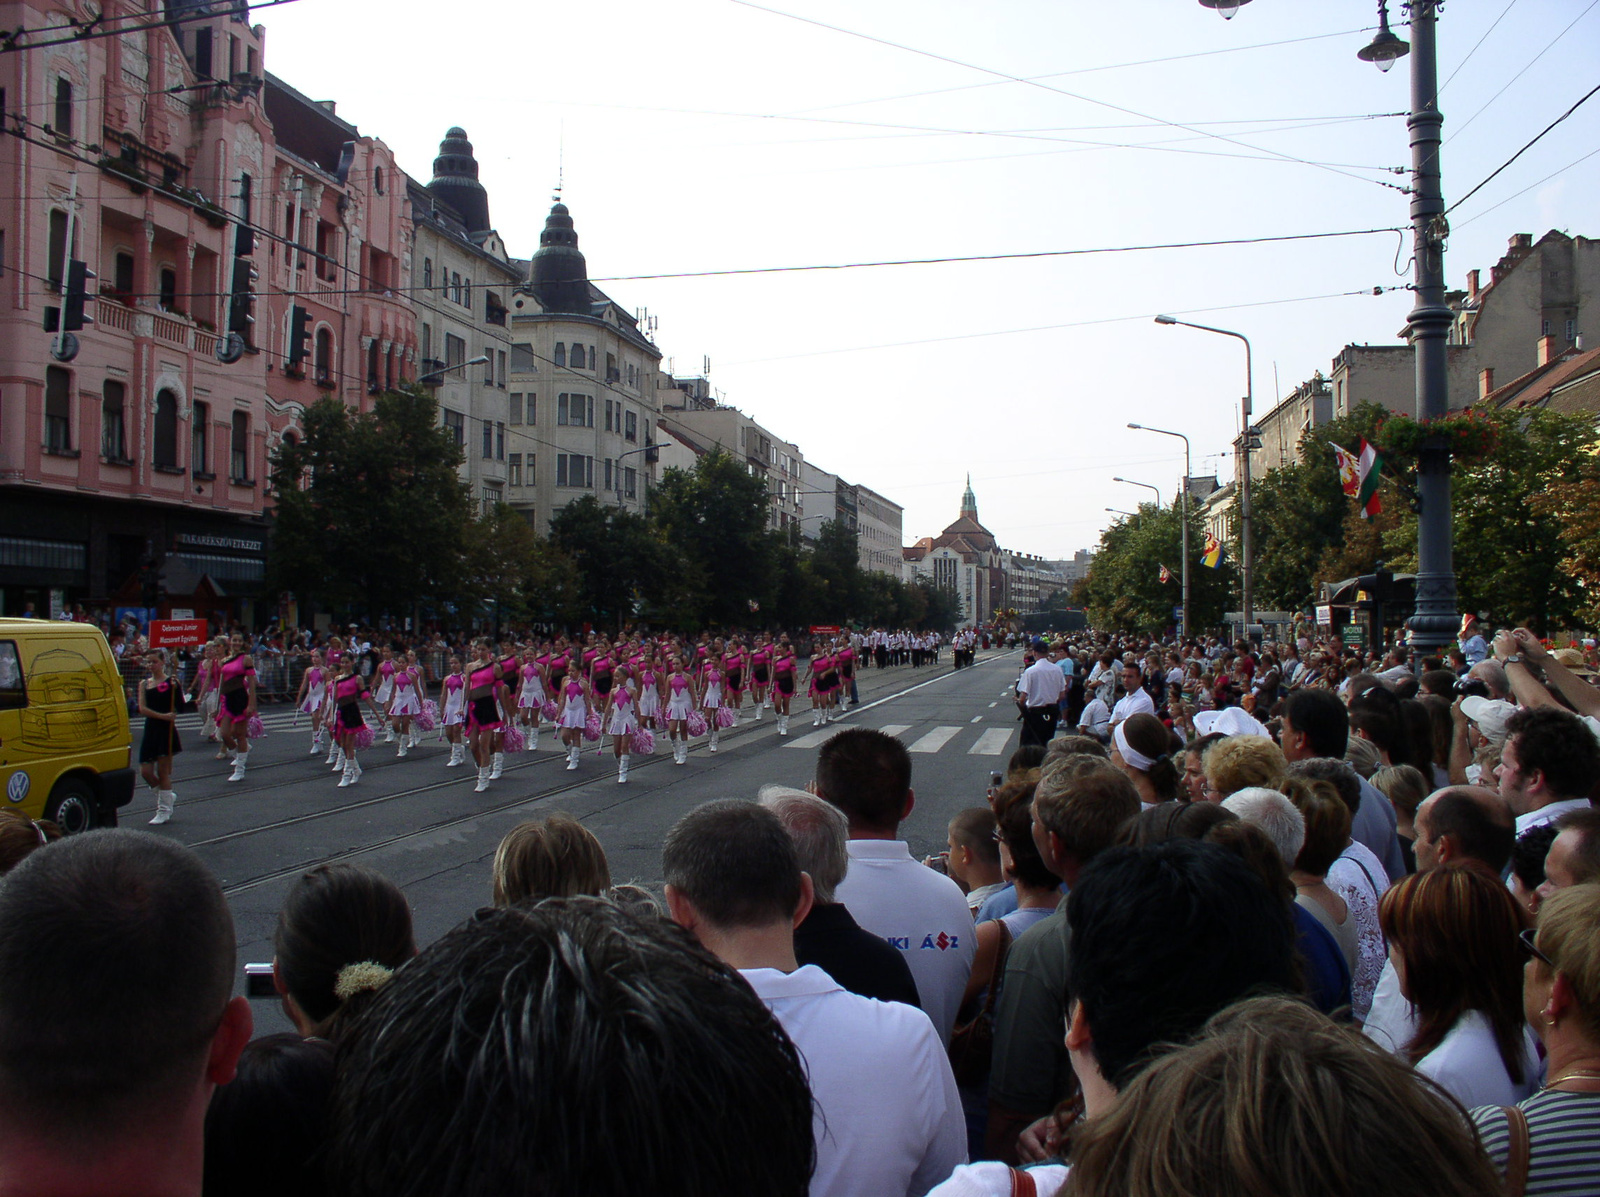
(64, 735)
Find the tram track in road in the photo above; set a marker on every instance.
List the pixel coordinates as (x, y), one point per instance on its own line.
(731, 737)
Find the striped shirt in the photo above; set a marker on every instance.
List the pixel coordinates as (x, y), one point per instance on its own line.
(1563, 1136)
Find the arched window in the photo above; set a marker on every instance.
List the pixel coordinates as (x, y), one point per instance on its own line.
(427, 273)
(561, 354)
(165, 446)
(324, 355)
(455, 287)
(577, 356)
(377, 179)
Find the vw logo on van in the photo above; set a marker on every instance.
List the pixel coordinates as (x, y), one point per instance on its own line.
(17, 786)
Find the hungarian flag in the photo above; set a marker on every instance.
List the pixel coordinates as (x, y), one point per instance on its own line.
(1367, 473)
(1166, 574)
(1212, 557)
(1349, 469)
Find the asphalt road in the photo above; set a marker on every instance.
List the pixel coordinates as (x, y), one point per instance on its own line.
(422, 825)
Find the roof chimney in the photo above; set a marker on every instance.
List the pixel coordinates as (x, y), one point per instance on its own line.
(1547, 350)
(1521, 240)
(1485, 381)
(1472, 284)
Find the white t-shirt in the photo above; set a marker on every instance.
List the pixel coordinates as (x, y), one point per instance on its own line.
(922, 913)
(886, 1111)
(993, 1179)
(1095, 718)
(1392, 1021)
(1548, 814)
(1138, 702)
(1467, 1064)
(1042, 683)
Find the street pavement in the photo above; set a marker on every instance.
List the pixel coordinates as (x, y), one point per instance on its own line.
(422, 825)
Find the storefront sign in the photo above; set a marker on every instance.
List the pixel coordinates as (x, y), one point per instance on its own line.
(1325, 616)
(238, 544)
(824, 629)
(177, 633)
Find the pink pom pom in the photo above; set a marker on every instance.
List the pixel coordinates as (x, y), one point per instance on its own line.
(591, 730)
(255, 729)
(429, 718)
(726, 717)
(696, 723)
(364, 738)
(513, 739)
(642, 742)
(548, 712)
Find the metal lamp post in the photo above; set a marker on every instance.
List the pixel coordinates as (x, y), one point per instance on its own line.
(477, 361)
(1434, 622)
(1185, 493)
(1146, 485)
(1244, 444)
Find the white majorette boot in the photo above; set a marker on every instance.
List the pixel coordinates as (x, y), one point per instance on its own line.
(349, 778)
(239, 762)
(572, 756)
(783, 725)
(405, 746)
(497, 765)
(816, 716)
(455, 757)
(356, 765)
(483, 780)
(533, 739)
(316, 744)
(715, 732)
(164, 801)
(388, 733)
(622, 769)
(333, 752)
(338, 761)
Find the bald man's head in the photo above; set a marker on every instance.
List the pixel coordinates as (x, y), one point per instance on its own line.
(1464, 823)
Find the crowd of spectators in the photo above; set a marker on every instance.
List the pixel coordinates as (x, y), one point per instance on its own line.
(1284, 947)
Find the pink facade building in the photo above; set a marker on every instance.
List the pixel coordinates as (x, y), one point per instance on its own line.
(155, 156)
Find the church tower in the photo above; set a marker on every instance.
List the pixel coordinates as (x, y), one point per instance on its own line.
(969, 501)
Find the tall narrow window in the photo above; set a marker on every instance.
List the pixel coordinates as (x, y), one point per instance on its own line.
(531, 408)
(427, 343)
(164, 447)
(608, 485)
(488, 440)
(169, 288)
(57, 410)
(202, 53)
(372, 366)
(239, 466)
(500, 358)
(499, 442)
(514, 470)
(488, 366)
(58, 248)
(427, 273)
(577, 356)
(323, 359)
(113, 433)
(199, 439)
(63, 121)
(562, 409)
(514, 409)
(561, 354)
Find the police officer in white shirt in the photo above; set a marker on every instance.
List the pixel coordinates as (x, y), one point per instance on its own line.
(1039, 693)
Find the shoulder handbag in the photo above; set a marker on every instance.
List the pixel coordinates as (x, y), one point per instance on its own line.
(972, 1042)
(1517, 1151)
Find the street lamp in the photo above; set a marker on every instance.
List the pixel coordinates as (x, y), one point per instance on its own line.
(1118, 511)
(1433, 624)
(1244, 444)
(1146, 485)
(477, 361)
(1185, 493)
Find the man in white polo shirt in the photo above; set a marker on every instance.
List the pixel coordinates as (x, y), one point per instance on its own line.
(1135, 699)
(1547, 766)
(922, 914)
(887, 1114)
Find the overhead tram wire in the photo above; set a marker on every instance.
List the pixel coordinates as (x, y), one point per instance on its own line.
(1462, 127)
(1529, 145)
(1008, 332)
(1476, 45)
(86, 31)
(1057, 90)
(1113, 66)
(1537, 183)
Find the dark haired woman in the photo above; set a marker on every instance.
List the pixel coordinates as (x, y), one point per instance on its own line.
(1141, 746)
(158, 703)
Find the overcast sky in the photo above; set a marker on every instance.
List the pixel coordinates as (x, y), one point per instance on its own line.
(705, 135)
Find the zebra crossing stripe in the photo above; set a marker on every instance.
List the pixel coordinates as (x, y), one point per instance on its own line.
(991, 743)
(934, 740)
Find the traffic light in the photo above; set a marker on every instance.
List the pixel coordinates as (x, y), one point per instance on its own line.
(78, 276)
(299, 335)
(241, 313)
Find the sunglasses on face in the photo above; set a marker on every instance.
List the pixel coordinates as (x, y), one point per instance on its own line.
(1529, 945)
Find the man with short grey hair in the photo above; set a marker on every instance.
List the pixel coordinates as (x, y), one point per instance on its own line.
(1271, 811)
(828, 937)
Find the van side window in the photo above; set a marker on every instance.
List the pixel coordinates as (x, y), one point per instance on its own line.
(12, 694)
